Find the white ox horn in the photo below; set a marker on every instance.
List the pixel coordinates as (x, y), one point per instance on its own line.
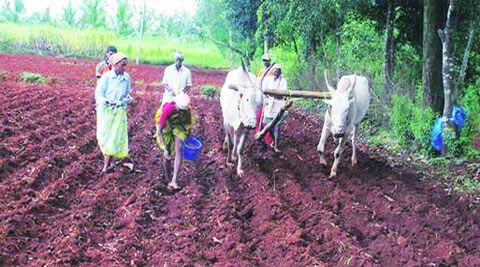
(329, 86)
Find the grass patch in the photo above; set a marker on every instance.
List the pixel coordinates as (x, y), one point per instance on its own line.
(33, 78)
(310, 104)
(209, 91)
(383, 139)
(463, 184)
(91, 43)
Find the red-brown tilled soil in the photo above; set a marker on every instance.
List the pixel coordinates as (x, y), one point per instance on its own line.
(55, 210)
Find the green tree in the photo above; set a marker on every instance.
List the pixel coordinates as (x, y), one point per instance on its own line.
(141, 31)
(123, 17)
(15, 14)
(177, 26)
(389, 49)
(47, 17)
(242, 15)
(41, 18)
(68, 15)
(211, 20)
(230, 24)
(467, 43)
(160, 27)
(93, 14)
(306, 26)
(143, 18)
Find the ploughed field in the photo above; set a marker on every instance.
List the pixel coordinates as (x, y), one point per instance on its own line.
(56, 210)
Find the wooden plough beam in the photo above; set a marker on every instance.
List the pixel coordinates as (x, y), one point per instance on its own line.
(288, 104)
(291, 93)
(298, 93)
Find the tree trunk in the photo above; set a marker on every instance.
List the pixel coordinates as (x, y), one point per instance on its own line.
(447, 61)
(433, 19)
(463, 70)
(389, 49)
(266, 33)
(311, 52)
(140, 36)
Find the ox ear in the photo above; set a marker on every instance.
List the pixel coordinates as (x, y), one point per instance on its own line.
(329, 86)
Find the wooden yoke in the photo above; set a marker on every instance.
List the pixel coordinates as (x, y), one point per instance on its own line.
(288, 104)
(298, 93)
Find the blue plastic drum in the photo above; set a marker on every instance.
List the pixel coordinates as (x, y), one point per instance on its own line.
(192, 148)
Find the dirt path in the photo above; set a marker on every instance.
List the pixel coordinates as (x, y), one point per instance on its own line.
(55, 209)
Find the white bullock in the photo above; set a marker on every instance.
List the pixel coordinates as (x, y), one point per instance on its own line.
(240, 99)
(346, 109)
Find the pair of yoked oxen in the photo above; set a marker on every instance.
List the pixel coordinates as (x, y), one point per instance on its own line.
(241, 99)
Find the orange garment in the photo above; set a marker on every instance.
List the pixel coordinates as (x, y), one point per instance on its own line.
(262, 71)
(268, 138)
(101, 68)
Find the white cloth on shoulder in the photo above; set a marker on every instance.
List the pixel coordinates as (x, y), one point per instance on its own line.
(272, 104)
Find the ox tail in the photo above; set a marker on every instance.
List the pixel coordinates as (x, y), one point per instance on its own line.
(329, 86)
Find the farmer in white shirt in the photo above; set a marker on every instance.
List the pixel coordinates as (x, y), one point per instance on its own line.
(272, 105)
(176, 79)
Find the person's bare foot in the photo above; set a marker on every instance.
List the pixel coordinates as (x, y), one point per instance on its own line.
(108, 169)
(168, 157)
(275, 149)
(173, 186)
(111, 168)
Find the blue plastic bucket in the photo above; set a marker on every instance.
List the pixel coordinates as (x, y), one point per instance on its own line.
(191, 148)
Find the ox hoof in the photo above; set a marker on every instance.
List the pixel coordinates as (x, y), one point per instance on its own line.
(333, 173)
(240, 173)
(230, 164)
(323, 162)
(354, 162)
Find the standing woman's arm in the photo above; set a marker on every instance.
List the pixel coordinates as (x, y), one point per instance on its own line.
(100, 91)
(128, 94)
